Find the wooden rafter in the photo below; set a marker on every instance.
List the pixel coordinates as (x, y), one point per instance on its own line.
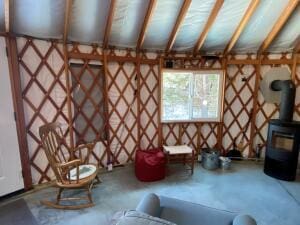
(7, 16)
(67, 19)
(208, 25)
(109, 23)
(249, 12)
(147, 19)
(291, 6)
(184, 8)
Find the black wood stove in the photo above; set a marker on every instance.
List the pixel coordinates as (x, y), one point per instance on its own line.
(283, 142)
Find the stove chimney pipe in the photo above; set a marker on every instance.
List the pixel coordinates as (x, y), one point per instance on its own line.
(287, 98)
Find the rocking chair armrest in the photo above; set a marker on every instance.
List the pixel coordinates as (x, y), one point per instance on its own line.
(79, 149)
(75, 163)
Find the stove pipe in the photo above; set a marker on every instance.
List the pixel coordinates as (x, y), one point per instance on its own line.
(287, 101)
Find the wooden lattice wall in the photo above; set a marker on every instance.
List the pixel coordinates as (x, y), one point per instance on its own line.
(131, 95)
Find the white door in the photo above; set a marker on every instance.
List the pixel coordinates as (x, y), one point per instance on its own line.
(10, 165)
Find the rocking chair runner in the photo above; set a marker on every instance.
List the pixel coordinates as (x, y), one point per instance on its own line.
(76, 173)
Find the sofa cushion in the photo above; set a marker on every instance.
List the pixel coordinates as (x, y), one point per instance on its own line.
(243, 220)
(133, 217)
(150, 204)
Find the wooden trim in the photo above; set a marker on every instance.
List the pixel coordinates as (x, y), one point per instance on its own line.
(283, 18)
(184, 8)
(108, 149)
(254, 109)
(69, 101)
(67, 19)
(76, 55)
(249, 12)
(7, 20)
(109, 23)
(138, 94)
(147, 19)
(297, 46)
(160, 127)
(15, 80)
(208, 25)
(262, 62)
(294, 66)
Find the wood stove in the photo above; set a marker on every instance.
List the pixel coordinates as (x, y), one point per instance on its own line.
(282, 149)
(283, 141)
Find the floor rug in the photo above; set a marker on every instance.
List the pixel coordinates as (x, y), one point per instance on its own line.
(16, 213)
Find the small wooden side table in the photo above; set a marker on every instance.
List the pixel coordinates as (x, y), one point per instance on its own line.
(182, 154)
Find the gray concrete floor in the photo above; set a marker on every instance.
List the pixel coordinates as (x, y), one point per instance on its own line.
(245, 189)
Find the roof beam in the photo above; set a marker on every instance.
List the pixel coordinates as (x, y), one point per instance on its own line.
(147, 19)
(67, 20)
(184, 8)
(208, 25)
(249, 12)
(109, 23)
(7, 21)
(291, 6)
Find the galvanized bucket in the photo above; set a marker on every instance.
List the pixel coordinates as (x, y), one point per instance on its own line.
(210, 158)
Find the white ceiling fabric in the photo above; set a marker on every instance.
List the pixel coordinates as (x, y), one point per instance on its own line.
(42, 19)
(127, 22)
(193, 24)
(88, 21)
(45, 19)
(260, 25)
(161, 24)
(225, 24)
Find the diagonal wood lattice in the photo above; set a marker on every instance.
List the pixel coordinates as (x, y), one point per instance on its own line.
(238, 105)
(44, 96)
(44, 93)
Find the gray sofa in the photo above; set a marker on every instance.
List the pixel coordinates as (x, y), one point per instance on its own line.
(174, 211)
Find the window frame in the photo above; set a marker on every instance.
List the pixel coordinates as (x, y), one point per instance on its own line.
(200, 71)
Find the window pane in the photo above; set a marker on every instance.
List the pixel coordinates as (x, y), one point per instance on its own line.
(176, 95)
(206, 96)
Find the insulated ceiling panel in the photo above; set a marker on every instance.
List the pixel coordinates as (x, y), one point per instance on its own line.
(127, 22)
(193, 24)
(88, 20)
(2, 20)
(42, 19)
(225, 24)
(161, 24)
(259, 26)
(290, 33)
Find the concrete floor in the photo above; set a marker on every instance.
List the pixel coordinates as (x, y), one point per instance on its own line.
(245, 189)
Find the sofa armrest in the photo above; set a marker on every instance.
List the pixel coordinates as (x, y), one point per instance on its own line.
(150, 204)
(243, 220)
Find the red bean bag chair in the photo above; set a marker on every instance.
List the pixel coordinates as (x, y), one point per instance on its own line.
(150, 165)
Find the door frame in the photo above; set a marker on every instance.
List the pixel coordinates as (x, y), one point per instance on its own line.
(15, 81)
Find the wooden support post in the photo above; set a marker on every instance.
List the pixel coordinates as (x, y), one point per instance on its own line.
(160, 126)
(199, 125)
(220, 125)
(180, 133)
(110, 158)
(69, 96)
(255, 109)
(138, 99)
(15, 80)
(294, 66)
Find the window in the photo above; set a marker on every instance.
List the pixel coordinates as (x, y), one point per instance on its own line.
(191, 95)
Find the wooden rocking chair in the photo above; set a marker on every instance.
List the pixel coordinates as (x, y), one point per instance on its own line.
(75, 173)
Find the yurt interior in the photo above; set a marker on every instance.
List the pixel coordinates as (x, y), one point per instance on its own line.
(149, 112)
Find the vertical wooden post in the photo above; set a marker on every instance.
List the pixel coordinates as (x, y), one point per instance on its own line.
(180, 131)
(160, 127)
(294, 66)
(69, 96)
(110, 158)
(138, 99)
(220, 124)
(255, 109)
(198, 138)
(15, 80)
